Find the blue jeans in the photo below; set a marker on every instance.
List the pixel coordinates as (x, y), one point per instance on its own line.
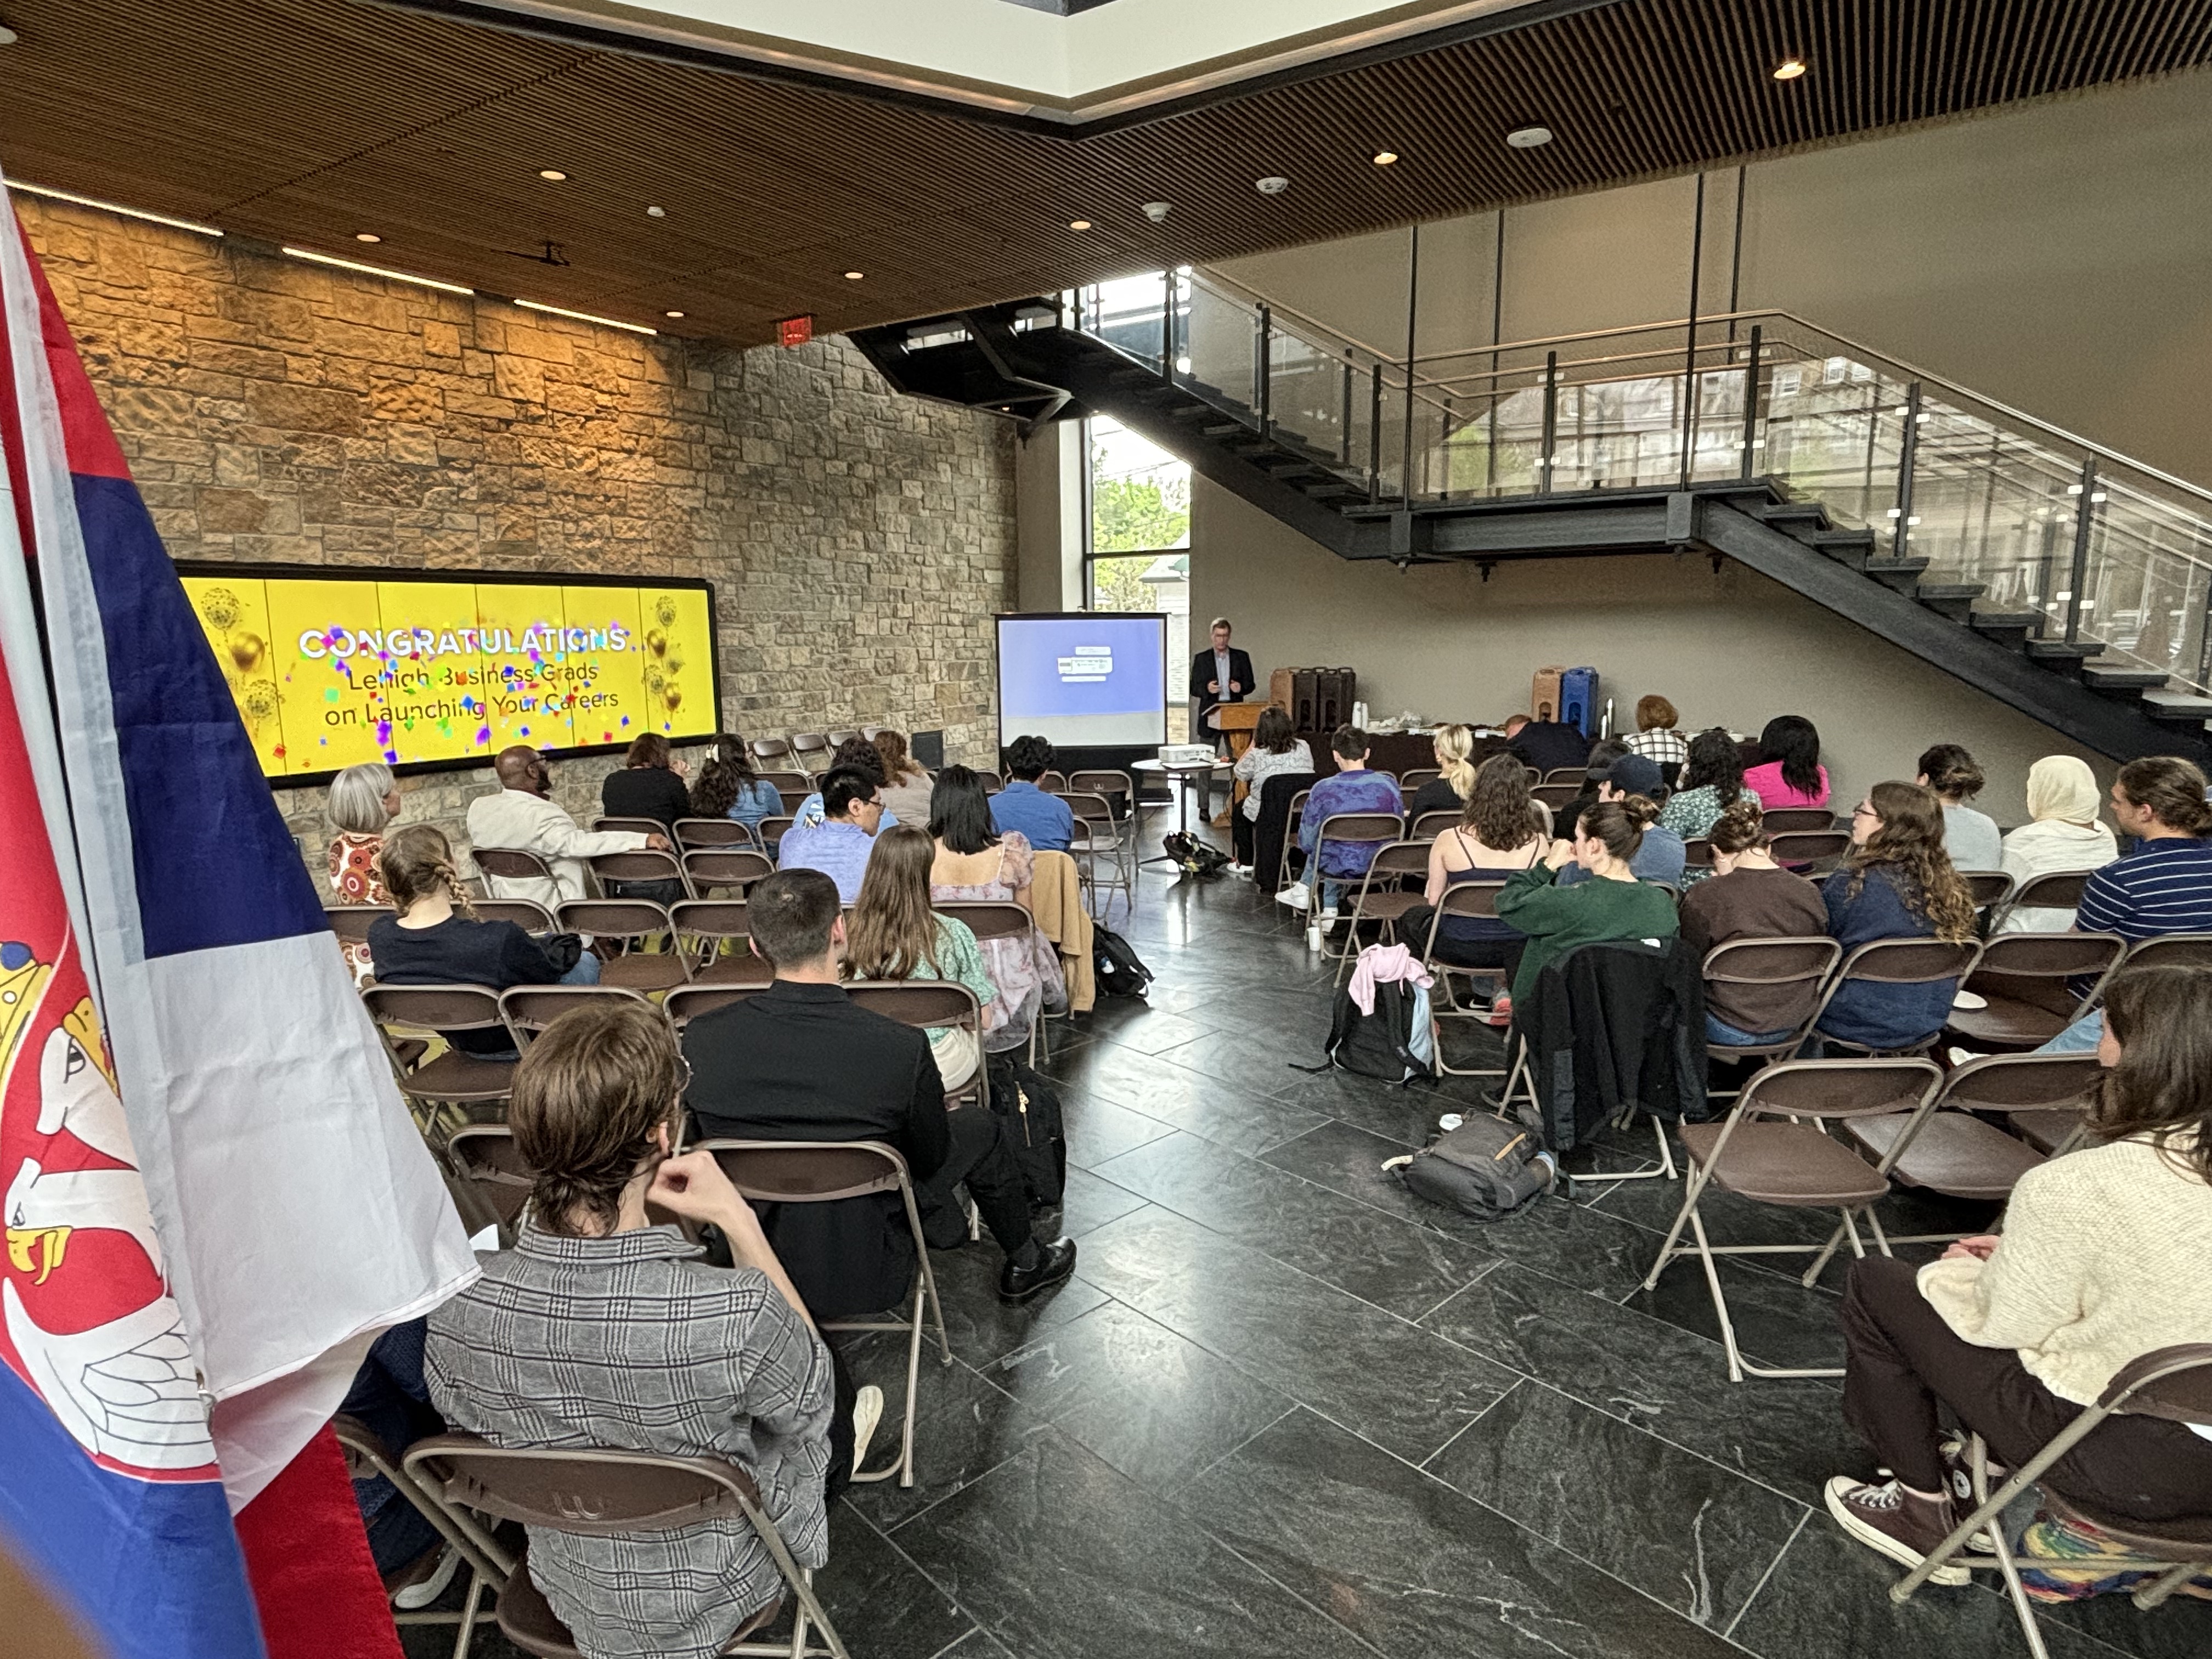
(2081, 1037)
(1719, 1031)
(586, 972)
(1331, 890)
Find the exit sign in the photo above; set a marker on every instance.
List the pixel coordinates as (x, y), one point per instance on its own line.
(794, 330)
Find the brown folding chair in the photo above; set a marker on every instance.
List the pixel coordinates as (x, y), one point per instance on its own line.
(692, 834)
(509, 864)
(772, 831)
(1763, 1152)
(990, 919)
(1383, 896)
(602, 1493)
(930, 1004)
(367, 1456)
(1898, 962)
(529, 1009)
(1356, 827)
(1556, 796)
(687, 1002)
(992, 782)
(528, 914)
(614, 870)
(1414, 776)
(1696, 854)
(2059, 891)
(709, 869)
(1801, 850)
(810, 749)
(1430, 825)
(2173, 1382)
(634, 826)
(449, 1077)
(350, 921)
(2170, 950)
(628, 923)
(1795, 967)
(1461, 898)
(767, 752)
(1100, 835)
(839, 738)
(795, 784)
(497, 1181)
(707, 930)
(1575, 776)
(1052, 783)
(1794, 820)
(1991, 890)
(1119, 789)
(2026, 979)
(821, 1172)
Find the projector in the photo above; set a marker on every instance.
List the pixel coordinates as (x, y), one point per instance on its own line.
(1186, 753)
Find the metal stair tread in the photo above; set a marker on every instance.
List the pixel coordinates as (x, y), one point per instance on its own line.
(2083, 649)
(2121, 677)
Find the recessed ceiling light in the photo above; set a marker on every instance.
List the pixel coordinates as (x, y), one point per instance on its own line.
(1272, 185)
(1790, 68)
(1079, 224)
(7, 36)
(656, 213)
(553, 174)
(366, 236)
(1529, 137)
(855, 276)
(1385, 158)
(672, 313)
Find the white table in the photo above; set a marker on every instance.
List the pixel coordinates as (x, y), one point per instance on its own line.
(1185, 779)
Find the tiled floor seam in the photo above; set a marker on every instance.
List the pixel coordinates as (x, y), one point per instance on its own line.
(1759, 1589)
(1456, 1434)
(919, 1572)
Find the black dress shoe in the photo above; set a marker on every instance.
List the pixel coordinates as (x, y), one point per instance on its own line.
(1054, 1262)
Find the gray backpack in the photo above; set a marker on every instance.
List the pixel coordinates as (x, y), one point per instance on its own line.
(1486, 1168)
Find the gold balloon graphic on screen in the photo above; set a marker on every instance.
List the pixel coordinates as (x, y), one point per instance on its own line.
(665, 660)
(242, 652)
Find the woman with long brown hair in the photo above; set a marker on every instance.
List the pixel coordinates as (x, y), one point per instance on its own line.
(895, 934)
(2101, 1260)
(1276, 748)
(729, 788)
(1611, 904)
(1496, 837)
(906, 786)
(649, 784)
(1896, 883)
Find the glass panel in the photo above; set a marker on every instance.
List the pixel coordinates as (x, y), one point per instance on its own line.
(1993, 507)
(1220, 339)
(1833, 432)
(1127, 315)
(1154, 581)
(2150, 578)
(1139, 494)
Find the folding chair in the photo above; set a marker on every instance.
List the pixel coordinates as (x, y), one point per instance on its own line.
(1896, 962)
(616, 871)
(452, 1077)
(1797, 968)
(1461, 898)
(1801, 850)
(772, 831)
(1762, 1152)
(366, 1457)
(705, 929)
(1697, 854)
(687, 1002)
(529, 1009)
(510, 864)
(811, 751)
(528, 914)
(1383, 896)
(1293, 821)
(635, 826)
(2059, 891)
(769, 751)
(1430, 825)
(1118, 789)
(601, 1494)
(2027, 980)
(484, 1161)
(1414, 776)
(990, 919)
(838, 739)
(1575, 776)
(1991, 889)
(709, 869)
(629, 923)
(1101, 834)
(2170, 950)
(1355, 827)
(821, 1172)
(1793, 820)
(797, 785)
(992, 782)
(1557, 795)
(692, 834)
(350, 921)
(931, 1004)
(1052, 783)
(2173, 1382)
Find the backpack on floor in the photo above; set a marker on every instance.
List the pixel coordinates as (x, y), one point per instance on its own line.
(1396, 1043)
(1032, 1111)
(1117, 967)
(1193, 857)
(1485, 1169)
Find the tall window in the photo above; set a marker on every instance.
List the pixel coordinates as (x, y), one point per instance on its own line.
(1138, 555)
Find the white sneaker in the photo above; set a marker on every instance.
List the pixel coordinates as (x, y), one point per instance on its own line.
(867, 1412)
(1327, 923)
(1240, 869)
(425, 1590)
(1298, 896)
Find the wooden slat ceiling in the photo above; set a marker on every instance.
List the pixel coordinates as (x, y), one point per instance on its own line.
(305, 121)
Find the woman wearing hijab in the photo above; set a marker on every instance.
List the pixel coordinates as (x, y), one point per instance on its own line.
(2062, 799)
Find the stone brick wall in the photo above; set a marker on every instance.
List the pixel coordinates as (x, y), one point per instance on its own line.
(859, 540)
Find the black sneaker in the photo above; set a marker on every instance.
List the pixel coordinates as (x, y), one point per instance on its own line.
(1893, 1522)
(1054, 1262)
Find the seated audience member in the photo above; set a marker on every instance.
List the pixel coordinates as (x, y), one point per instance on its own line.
(2064, 835)
(1275, 749)
(1656, 738)
(800, 1061)
(390, 1400)
(1047, 821)
(363, 800)
(1612, 904)
(2101, 1261)
(649, 784)
(854, 755)
(896, 935)
(840, 843)
(974, 861)
(523, 817)
(1496, 839)
(1602, 755)
(1352, 788)
(1711, 782)
(1448, 790)
(1547, 746)
(1971, 840)
(1631, 781)
(436, 939)
(729, 788)
(1748, 895)
(2164, 886)
(906, 789)
(1894, 883)
(1789, 773)
(600, 1329)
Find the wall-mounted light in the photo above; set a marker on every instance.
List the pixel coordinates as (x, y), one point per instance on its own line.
(196, 228)
(313, 258)
(587, 317)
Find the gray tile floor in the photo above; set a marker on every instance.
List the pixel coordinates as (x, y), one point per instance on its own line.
(1286, 1410)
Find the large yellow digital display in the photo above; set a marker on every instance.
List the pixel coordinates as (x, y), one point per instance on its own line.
(330, 671)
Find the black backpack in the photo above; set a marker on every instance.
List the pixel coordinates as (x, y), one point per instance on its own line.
(1116, 966)
(1485, 1169)
(1031, 1112)
(1380, 1044)
(1193, 857)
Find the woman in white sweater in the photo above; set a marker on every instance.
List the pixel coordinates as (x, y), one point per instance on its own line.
(2063, 800)
(2102, 1259)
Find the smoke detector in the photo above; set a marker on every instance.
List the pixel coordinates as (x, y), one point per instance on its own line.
(1158, 211)
(1529, 137)
(1271, 185)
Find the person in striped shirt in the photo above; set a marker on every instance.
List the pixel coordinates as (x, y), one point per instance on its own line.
(2164, 886)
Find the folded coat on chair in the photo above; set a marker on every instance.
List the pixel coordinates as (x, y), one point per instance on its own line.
(1271, 829)
(1056, 903)
(1613, 1026)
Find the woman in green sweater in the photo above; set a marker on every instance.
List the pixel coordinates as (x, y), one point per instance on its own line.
(1614, 905)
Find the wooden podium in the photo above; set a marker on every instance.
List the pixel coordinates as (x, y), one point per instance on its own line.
(1238, 719)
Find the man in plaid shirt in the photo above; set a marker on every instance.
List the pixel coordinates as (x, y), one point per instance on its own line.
(599, 1329)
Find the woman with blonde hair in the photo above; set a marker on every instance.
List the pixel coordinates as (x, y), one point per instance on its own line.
(895, 934)
(906, 785)
(1454, 786)
(2066, 835)
(1896, 883)
(363, 800)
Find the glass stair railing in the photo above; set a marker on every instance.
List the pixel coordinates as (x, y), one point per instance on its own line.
(2066, 539)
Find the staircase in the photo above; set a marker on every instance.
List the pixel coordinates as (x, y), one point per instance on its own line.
(2051, 573)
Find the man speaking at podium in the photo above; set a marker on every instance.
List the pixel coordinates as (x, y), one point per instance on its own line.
(1221, 674)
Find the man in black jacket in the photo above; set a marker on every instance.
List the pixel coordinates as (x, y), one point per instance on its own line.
(1220, 674)
(800, 1061)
